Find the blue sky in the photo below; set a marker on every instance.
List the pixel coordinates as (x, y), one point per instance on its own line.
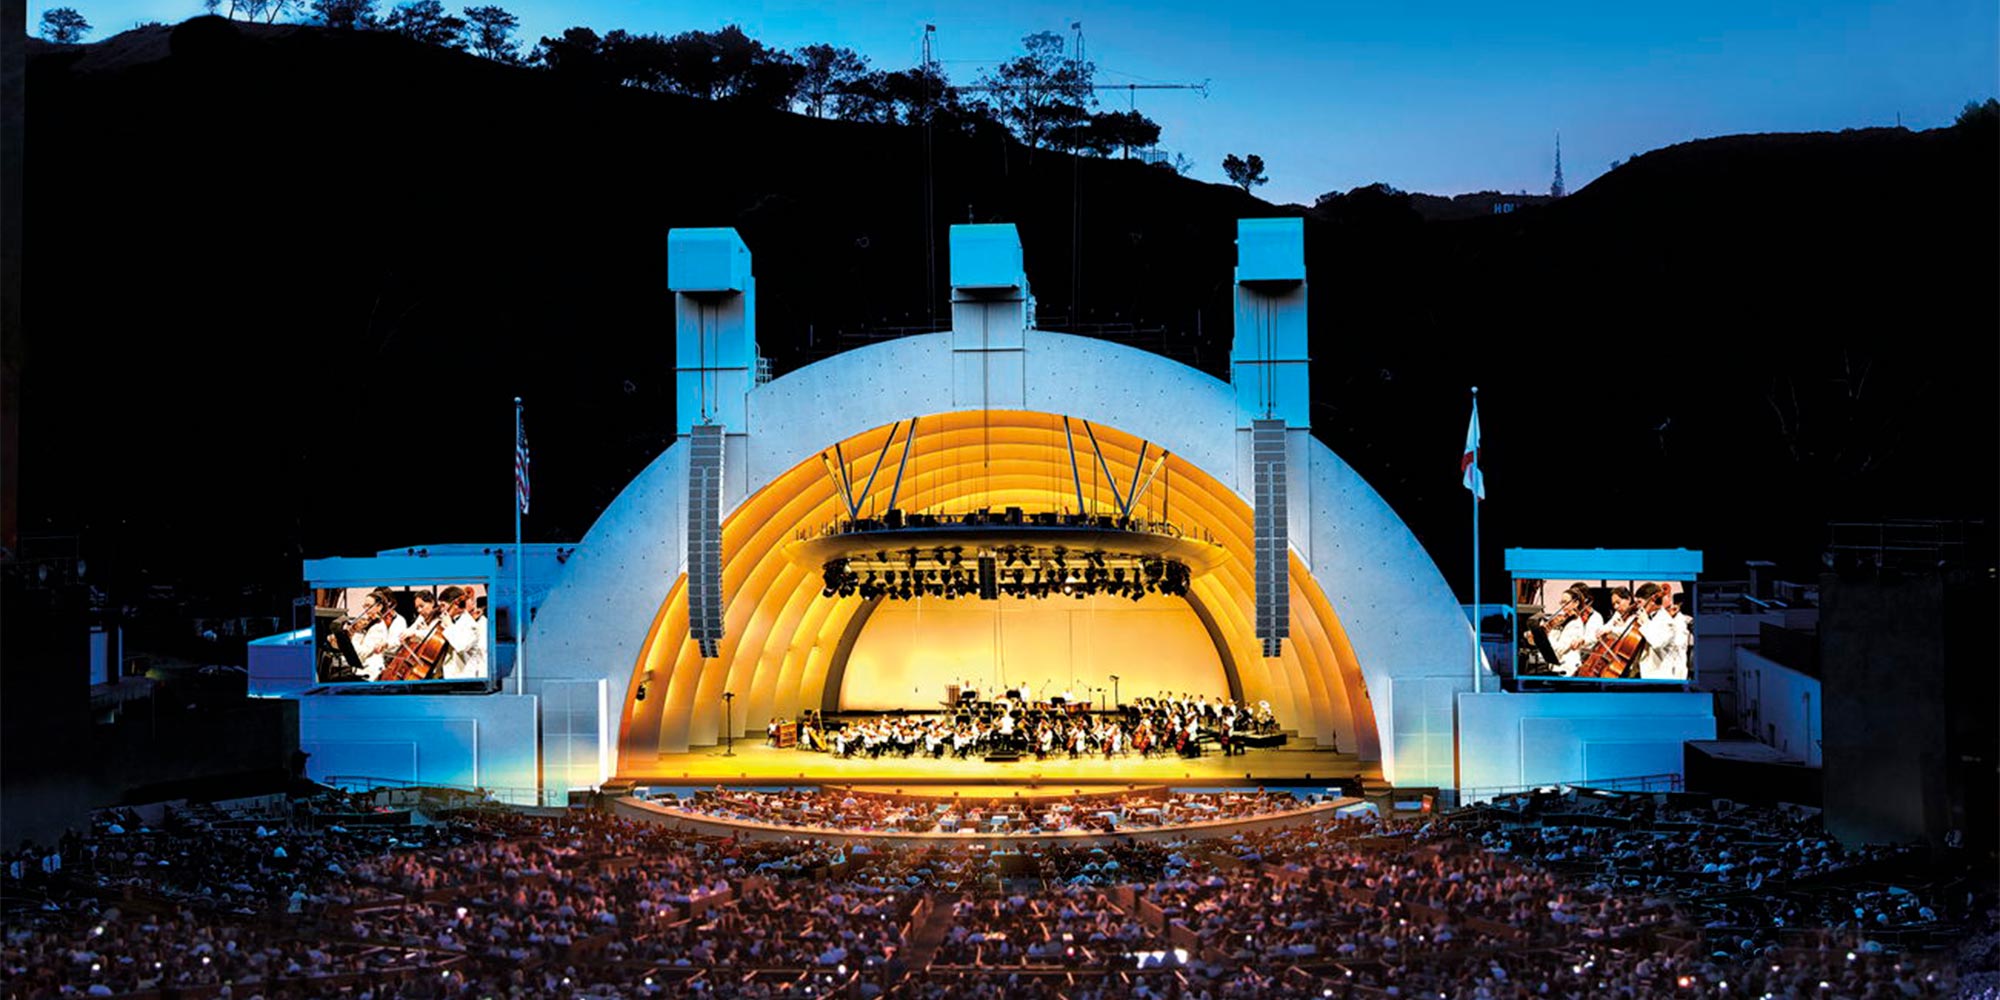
(1443, 97)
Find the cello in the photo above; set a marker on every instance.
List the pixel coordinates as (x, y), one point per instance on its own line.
(418, 659)
(1611, 658)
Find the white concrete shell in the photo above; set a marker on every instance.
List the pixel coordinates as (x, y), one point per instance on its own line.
(1406, 629)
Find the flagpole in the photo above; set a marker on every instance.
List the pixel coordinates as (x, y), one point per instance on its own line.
(1477, 480)
(521, 573)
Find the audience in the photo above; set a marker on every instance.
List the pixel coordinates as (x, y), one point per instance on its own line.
(819, 810)
(1560, 895)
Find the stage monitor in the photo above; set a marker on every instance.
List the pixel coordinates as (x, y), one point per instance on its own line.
(1604, 630)
(409, 633)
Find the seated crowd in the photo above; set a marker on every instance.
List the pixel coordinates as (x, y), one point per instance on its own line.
(849, 812)
(1517, 899)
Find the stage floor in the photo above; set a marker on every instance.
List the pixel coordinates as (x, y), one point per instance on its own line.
(757, 763)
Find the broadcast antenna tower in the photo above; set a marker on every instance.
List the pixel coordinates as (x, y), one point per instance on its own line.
(1556, 189)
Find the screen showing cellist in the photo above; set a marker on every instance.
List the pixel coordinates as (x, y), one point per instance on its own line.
(1604, 630)
(403, 633)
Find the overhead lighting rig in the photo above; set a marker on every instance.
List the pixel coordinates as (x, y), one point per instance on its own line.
(1022, 570)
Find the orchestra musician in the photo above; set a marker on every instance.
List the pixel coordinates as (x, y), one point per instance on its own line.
(377, 632)
(1661, 623)
(465, 630)
(1572, 628)
(1627, 614)
(1682, 652)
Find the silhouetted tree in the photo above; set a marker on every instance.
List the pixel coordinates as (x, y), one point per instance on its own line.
(1119, 130)
(266, 10)
(1246, 172)
(912, 97)
(1043, 94)
(578, 53)
(635, 60)
(1374, 206)
(741, 69)
(724, 65)
(427, 22)
(492, 32)
(827, 73)
(64, 26)
(1975, 115)
(348, 14)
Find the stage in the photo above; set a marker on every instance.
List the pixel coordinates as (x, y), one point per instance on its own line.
(756, 763)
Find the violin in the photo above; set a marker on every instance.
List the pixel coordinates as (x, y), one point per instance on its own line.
(1563, 616)
(365, 620)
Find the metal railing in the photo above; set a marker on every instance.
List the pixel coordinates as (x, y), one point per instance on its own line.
(1639, 783)
(503, 794)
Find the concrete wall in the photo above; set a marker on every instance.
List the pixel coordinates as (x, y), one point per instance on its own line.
(1779, 706)
(1883, 662)
(447, 739)
(280, 664)
(595, 620)
(1511, 740)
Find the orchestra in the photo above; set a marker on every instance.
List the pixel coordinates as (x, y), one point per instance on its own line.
(444, 638)
(1148, 727)
(1647, 637)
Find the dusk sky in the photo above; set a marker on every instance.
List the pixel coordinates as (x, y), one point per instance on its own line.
(1446, 97)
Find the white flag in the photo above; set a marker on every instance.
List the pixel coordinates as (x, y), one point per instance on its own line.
(1468, 466)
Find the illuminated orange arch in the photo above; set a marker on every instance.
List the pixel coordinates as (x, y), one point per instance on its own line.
(782, 637)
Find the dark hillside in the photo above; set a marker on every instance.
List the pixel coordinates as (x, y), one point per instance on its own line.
(280, 284)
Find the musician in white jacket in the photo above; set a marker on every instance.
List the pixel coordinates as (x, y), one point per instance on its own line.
(1579, 628)
(466, 632)
(1666, 642)
(383, 635)
(1674, 656)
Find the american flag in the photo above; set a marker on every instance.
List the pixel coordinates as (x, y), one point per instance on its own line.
(520, 460)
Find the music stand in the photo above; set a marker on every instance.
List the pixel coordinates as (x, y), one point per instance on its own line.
(1539, 638)
(728, 723)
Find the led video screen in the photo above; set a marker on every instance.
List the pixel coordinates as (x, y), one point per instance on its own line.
(421, 633)
(1604, 630)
